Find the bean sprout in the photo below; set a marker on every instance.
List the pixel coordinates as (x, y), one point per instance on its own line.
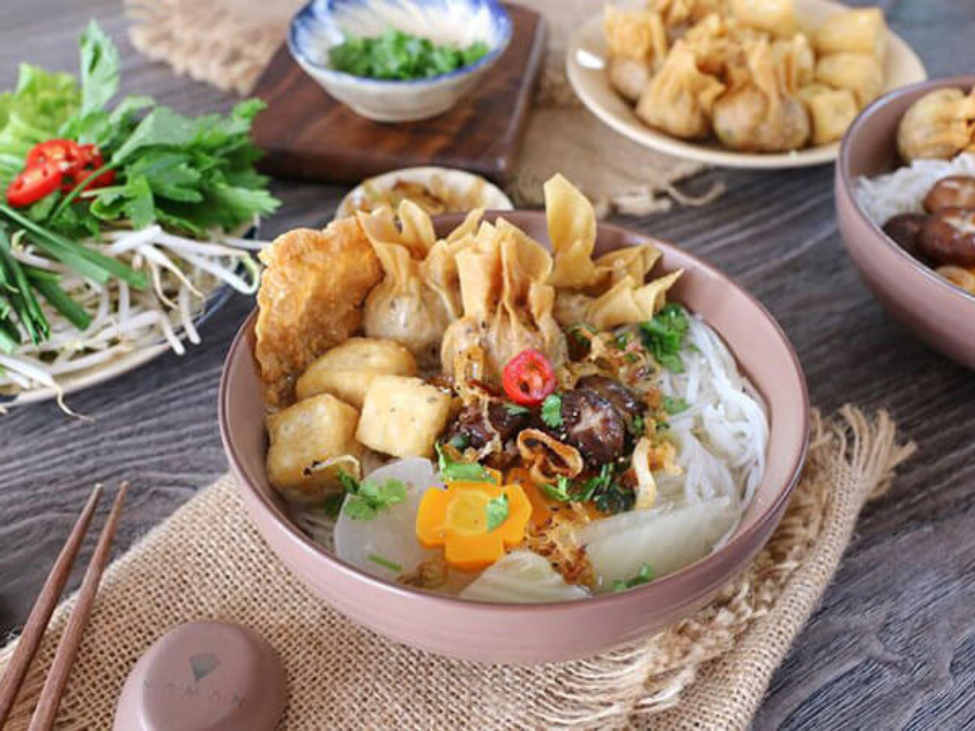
(182, 273)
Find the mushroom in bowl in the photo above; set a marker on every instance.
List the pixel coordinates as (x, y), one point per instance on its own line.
(575, 437)
(399, 60)
(905, 202)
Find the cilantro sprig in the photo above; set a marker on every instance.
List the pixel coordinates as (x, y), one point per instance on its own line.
(608, 495)
(664, 336)
(366, 499)
(452, 470)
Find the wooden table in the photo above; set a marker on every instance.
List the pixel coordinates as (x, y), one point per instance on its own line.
(893, 644)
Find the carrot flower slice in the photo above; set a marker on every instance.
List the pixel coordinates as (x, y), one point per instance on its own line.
(458, 519)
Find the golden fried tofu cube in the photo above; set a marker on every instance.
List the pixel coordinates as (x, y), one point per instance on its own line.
(402, 416)
(347, 370)
(302, 437)
(855, 31)
(830, 110)
(858, 72)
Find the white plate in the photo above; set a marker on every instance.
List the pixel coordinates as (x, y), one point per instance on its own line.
(120, 365)
(586, 63)
(492, 198)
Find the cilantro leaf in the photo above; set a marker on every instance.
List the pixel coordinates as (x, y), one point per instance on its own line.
(99, 69)
(664, 336)
(367, 498)
(496, 512)
(552, 410)
(454, 471)
(644, 576)
(516, 409)
(674, 405)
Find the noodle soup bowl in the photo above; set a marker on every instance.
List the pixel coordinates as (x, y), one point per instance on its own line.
(936, 311)
(534, 633)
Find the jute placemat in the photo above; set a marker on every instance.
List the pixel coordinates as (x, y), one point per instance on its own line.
(707, 672)
(227, 43)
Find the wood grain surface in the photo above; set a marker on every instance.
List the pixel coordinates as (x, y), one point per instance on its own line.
(307, 134)
(893, 644)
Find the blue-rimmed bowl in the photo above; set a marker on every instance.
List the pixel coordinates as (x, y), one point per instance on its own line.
(322, 24)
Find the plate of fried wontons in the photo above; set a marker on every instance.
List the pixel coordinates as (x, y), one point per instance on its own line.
(737, 83)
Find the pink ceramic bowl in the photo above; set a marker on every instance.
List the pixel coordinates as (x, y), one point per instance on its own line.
(937, 312)
(526, 633)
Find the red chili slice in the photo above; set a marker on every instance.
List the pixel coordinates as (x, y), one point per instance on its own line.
(528, 378)
(67, 153)
(34, 183)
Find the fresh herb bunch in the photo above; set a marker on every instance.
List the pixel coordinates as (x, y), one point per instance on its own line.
(664, 336)
(155, 166)
(396, 55)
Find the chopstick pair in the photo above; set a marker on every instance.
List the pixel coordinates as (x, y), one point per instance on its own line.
(40, 615)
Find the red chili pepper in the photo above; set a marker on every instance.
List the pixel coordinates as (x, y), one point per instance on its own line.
(528, 378)
(68, 154)
(34, 183)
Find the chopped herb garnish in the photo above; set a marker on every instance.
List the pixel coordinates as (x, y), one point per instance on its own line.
(384, 562)
(333, 504)
(560, 490)
(552, 411)
(608, 495)
(664, 336)
(367, 498)
(638, 426)
(597, 484)
(348, 482)
(516, 409)
(622, 339)
(452, 470)
(399, 55)
(496, 512)
(644, 576)
(674, 405)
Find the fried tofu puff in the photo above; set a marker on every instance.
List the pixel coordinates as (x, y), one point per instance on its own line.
(310, 300)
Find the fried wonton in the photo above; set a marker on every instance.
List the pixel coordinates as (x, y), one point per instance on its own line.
(760, 115)
(310, 300)
(679, 99)
(419, 294)
(506, 299)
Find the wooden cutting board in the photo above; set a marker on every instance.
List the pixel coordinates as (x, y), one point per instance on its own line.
(307, 134)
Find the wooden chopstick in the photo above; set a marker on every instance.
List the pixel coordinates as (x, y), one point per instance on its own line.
(43, 607)
(57, 677)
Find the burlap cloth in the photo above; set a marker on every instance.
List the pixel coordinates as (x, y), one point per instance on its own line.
(707, 672)
(227, 43)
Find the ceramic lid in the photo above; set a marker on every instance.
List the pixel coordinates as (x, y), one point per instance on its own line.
(204, 675)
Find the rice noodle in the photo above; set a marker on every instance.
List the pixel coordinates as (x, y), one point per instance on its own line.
(181, 271)
(722, 437)
(902, 191)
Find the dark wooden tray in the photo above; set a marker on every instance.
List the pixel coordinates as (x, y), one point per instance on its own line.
(307, 134)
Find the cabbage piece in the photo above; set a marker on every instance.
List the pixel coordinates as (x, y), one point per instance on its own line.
(522, 577)
(391, 535)
(665, 538)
